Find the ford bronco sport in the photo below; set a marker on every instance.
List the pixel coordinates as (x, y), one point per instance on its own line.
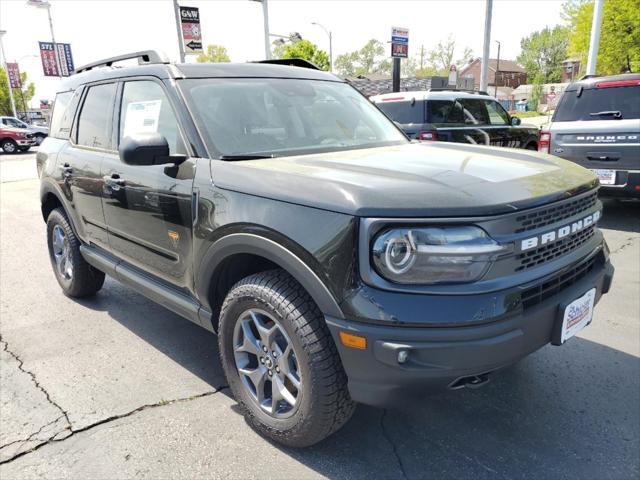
(337, 261)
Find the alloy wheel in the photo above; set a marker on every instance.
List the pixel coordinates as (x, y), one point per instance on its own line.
(266, 363)
(62, 253)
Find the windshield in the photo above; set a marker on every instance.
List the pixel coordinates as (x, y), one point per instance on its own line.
(279, 117)
(610, 103)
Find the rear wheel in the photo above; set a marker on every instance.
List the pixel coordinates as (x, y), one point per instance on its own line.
(76, 277)
(280, 361)
(9, 146)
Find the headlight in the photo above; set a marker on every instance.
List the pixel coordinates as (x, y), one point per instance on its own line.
(21, 135)
(432, 255)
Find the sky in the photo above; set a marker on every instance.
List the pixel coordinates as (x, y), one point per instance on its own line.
(99, 29)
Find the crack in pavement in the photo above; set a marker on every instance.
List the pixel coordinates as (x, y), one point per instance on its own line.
(73, 431)
(629, 241)
(394, 449)
(69, 428)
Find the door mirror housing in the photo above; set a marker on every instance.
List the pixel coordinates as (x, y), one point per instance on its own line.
(147, 149)
(515, 121)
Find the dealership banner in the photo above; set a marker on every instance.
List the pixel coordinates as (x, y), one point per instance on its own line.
(48, 52)
(191, 34)
(13, 71)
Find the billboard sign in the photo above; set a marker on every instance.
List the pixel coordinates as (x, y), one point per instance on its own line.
(48, 52)
(191, 34)
(399, 42)
(13, 71)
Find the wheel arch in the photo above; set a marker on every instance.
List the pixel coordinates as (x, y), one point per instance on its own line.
(238, 255)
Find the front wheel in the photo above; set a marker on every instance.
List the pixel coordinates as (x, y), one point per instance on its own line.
(9, 146)
(39, 139)
(76, 277)
(280, 361)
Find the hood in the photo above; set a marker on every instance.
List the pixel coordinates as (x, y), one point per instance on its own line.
(14, 130)
(411, 180)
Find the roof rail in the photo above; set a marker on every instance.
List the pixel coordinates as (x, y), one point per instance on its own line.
(451, 89)
(292, 62)
(145, 57)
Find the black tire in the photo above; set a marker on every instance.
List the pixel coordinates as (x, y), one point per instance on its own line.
(8, 146)
(85, 280)
(39, 138)
(531, 146)
(324, 405)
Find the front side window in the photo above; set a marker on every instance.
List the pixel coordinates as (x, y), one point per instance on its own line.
(279, 117)
(14, 122)
(497, 114)
(145, 108)
(94, 125)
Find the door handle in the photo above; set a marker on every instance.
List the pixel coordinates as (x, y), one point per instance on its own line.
(113, 181)
(67, 170)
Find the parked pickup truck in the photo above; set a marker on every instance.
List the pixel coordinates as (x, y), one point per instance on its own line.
(337, 261)
(14, 140)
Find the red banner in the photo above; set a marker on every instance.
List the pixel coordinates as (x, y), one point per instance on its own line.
(13, 72)
(48, 56)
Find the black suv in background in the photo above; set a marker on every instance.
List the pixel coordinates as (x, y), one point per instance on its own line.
(337, 261)
(456, 116)
(597, 126)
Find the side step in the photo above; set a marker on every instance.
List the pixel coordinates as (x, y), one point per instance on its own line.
(151, 288)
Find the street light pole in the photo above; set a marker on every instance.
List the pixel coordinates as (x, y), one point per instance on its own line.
(176, 12)
(328, 32)
(265, 18)
(495, 93)
(595, 37)
(4, 64)
(45, 4)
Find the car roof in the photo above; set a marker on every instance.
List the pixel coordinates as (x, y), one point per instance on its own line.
(590, 82)
(196, 70)
(428, 95)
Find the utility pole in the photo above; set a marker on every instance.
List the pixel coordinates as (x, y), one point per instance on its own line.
(267, 36)
(396, 74)
(594, 41)
(421, 57)
(484, 70)
(176, 11)
(495, 93)
(4, 64)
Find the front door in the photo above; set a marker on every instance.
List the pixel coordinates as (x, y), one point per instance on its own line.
(148, 208)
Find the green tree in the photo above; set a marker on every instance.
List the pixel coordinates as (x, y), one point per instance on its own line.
(214, 54)
(306, 50)
(542, 53)
(438, 60)
(536, 93)
(619, 47)
(369, 59)
(28, 92)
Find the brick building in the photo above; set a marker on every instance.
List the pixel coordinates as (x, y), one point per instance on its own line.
(507, 74)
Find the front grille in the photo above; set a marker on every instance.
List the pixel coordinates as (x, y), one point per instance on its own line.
(556, 284)
(554, 214)
(547, 253)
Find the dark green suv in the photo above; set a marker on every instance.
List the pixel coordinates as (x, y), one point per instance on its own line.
(337, 262)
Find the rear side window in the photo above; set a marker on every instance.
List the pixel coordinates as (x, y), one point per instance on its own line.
(64, 110)
(475, 111)
(94, 125)
(403, 112)
(444, 111)
(599, 104)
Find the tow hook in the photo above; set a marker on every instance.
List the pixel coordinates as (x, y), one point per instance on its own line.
(472, 381)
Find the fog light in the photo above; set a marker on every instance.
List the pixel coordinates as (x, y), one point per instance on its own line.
(353, 341)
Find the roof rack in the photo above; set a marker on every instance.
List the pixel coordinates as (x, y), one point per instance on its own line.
(451, 89)
(145, 57)
(292, 62)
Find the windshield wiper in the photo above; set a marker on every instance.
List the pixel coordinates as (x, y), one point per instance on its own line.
(613, 113)
(245, 157)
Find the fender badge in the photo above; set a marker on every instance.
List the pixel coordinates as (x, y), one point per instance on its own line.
(174, 237)
(558, 150)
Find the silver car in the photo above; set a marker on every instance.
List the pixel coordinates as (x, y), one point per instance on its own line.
(597, 125)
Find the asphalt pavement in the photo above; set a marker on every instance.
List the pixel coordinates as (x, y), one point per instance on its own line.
(119, 387)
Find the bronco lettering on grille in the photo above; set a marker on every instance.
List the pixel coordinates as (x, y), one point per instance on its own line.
(560, 233)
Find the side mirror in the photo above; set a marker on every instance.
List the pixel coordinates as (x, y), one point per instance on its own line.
(515, 121)
(147, 149)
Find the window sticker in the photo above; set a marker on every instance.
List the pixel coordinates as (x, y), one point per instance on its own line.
(142, 117)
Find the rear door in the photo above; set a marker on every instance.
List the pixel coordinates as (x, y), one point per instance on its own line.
(599, 127)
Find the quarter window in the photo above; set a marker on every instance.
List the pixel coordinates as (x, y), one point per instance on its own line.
(64, 109)
(94, 123)
(146, 109)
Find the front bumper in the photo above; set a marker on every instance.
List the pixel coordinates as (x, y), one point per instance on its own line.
(627, 185)
(439, 357)
(26, 143)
